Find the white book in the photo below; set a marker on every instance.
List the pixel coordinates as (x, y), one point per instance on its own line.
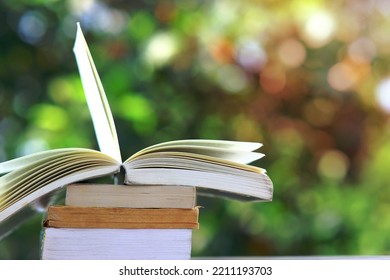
(116, 244)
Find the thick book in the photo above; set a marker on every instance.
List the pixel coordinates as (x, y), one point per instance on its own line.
(119, 217)
(111, 222)
(134, 196)
(116, 244)
(213, 166)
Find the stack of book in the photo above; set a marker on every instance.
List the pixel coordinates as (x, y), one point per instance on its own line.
(121, 222)
(151, 213)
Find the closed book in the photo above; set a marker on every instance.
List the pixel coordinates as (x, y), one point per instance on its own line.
(116, 244)
(134, 196)
(118, 217)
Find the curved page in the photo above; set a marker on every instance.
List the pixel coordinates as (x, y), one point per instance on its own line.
(235, 151)
(96, 98)
(24, 185)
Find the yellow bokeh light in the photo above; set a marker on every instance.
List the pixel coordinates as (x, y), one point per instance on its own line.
(319, 29)
(333, 164)
(161, 49)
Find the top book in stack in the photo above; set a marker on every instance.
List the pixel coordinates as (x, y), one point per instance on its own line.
(213, 166)
(136, 196)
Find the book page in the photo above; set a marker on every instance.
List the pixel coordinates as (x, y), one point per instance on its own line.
(234, 145)
(20, 162)
(96, 98)
(245, 186)
(235, 151)
(121, 217)
(41, 176)
(189, 161)
(116, 244)
(135, 196)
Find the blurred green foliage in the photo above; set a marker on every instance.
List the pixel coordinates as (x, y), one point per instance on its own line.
(309, 79)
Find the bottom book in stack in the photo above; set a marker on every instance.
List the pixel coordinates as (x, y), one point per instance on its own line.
(116, 244)
(121, 222)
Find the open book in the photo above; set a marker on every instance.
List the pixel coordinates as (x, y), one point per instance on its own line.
(210, 165)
